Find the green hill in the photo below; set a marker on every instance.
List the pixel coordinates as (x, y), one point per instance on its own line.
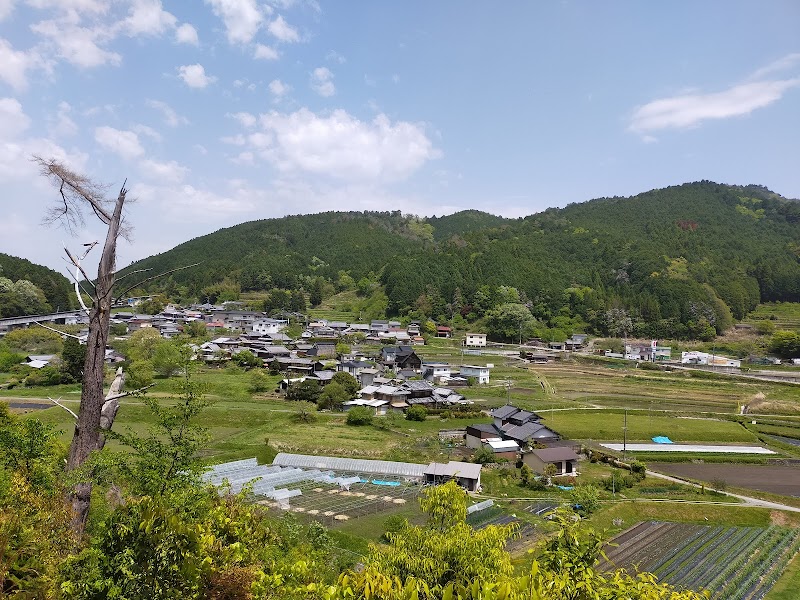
(54, 290)
(678, 260)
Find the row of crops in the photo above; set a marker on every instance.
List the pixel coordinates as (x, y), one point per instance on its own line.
(734, 563)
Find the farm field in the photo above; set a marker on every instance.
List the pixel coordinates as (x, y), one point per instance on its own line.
(783, 480)
(733, 563)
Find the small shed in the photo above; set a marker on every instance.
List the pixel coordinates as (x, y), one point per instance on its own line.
(506, 449)
(467, 475)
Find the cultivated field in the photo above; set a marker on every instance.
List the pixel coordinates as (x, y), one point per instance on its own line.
(783, 480)
(734, 563)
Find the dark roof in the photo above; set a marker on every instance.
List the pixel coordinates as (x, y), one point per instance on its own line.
(484, 427)
(555, 454)
(419, 386)
(504, 411)
(523, 416)
(528, 431)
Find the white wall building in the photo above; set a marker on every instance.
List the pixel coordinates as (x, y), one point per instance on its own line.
(479, 373)
(475, 340)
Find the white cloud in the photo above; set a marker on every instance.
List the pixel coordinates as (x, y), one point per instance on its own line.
(283, 31)
(278, 88)
(124, 143)
(63, 124)
(13, 119)
(242, 18)
(782, 64)
(322, 82)
(171, 118)
(334, 56)
(195, 76)
(165, 172)
(244, 118)
(265, 52)
(72, 6)
(141, 129)
(342, 147)
(186, 34)
(77, 45)
(15, 64)
(147, 17)
(6, 8)
(688, 110)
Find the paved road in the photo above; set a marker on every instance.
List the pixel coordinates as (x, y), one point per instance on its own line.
(746, 500)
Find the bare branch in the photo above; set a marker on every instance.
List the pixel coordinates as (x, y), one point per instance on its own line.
(75, 190)
(118, 279)
(57, 403)
(77, 264)
(57, 331)
(132, 392)
(121, 294)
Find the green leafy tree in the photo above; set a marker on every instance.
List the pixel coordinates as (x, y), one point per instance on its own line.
(196, 330)
(247, 360)
(349, 383)
(143, 343)
(168, 359)
(510, 322)
(315, 295)
(140, 374)
(586, 497)
(166, 459)
(307, 390)
(73, 356)
(333, 396)
(34, 340)
(260, 382)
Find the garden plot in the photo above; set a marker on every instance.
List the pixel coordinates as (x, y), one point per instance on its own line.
(733, 563)
(329, 503)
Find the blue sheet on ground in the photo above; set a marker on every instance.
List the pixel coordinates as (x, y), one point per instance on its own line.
(392, 483)
(564, 487)
(662, 439)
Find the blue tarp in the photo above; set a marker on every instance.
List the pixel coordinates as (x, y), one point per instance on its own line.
(662, 439)
(391, 483)
(564, 487)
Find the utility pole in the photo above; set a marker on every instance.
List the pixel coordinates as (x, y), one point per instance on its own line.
(625, 435)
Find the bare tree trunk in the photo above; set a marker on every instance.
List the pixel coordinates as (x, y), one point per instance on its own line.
(87, 428)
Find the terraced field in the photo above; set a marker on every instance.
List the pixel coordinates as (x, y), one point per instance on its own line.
(733, 563)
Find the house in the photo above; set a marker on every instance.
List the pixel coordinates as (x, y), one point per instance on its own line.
(565, 460)
(436, 372)
(442, 331)
(268, 326)
(475, 340)
(503, 449)
(367, 376)
(37, 361)
(650, 352)
(400, 357)
(481, 374)
(478, 433)
(379, 406)
(576, 342)
(354, 367)
(467, 475)
(323, 350)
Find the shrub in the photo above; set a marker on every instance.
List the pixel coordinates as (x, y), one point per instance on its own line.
(359, 415)
(259, 382)
(484, 455)
(416, 413)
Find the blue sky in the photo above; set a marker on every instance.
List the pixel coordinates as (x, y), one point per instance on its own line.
(224, 111)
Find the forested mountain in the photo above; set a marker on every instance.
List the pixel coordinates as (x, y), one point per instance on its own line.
(674, 262)
(27, 288)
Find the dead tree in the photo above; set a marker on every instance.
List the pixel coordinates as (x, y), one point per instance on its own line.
(78, 195)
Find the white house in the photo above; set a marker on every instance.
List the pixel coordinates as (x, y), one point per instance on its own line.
(269, 326)
(479, 373)
(475, 340)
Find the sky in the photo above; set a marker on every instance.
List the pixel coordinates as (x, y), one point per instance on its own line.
(218, 112)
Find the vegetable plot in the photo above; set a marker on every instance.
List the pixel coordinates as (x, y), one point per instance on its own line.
(733, 563)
